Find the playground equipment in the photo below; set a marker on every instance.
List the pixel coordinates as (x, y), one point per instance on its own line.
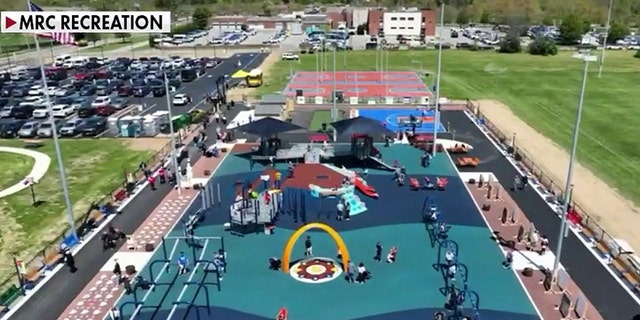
(430, 213)
(294, 203)
(365, 188)
(459, 300)
(189, 225)
(383, 164)
(342, 247)
(468, 161)
(458, 148)
(444, 247)
(346, 193)
(139, 304)
(317, 191)
(191, 304)
(253, 209)
(438, 232)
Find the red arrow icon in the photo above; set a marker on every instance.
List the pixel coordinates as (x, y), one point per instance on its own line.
(9, 22)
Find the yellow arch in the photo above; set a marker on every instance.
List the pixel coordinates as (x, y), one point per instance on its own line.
(286, 255)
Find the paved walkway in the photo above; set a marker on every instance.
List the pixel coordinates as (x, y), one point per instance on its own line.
(40, 167)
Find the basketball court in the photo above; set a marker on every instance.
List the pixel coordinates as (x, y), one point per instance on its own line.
(399, 84)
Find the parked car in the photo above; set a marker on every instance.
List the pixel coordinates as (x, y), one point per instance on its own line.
(104, 90)
(93, 126)
(46, 128)
(22, 112)
(88, 90)
(105, 111)
(125, 91)
(29, 129)
(120, 103)
(101, 101)
(65, 91)
(62, 110)
(86, 112)
(78, 103)
(288, 56)
(32, 101)
(70, 128)
(141, 91)
(36, 90)
(10, 129)
(40, 111)
(20, 91)
(180, 99)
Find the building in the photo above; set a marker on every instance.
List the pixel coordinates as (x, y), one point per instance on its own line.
(411, 23)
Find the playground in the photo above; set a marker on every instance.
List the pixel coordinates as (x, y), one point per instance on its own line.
(232, 272)
(404, 119)
(357, 84)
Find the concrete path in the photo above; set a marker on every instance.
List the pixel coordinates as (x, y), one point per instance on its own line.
(40, 167)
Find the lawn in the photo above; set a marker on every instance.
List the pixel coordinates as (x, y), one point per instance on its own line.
(19, 169)
(93, 169)
(10, 41)
(119, 44)
(320, 117)
(543, 91)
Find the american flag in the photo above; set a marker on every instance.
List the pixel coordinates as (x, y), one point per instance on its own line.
(61, 37)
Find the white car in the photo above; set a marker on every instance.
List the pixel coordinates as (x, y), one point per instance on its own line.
(290, 56)
(102, 101)
(32, 101)
(52, 90)
(180, 99)
(216, 41)
(41, 111)
(102, 61)
(178, 63)
(36, 90)
(62, 110)
(135, 64)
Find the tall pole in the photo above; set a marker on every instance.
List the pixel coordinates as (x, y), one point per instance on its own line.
(574, 146)
(436, 118)
(604, 41)
(317, 73)
(386, 80)
(174, 156)
(56, 141)
(335, 105)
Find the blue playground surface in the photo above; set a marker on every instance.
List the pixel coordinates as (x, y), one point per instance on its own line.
(414, 287)
(397, 120)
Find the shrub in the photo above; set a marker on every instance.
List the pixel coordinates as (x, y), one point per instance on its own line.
(543, 46)
(511, 43)
(637, 55)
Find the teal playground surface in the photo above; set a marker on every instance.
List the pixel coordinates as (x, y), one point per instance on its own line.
(410, 288)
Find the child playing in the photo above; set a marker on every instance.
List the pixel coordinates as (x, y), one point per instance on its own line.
(391, 257)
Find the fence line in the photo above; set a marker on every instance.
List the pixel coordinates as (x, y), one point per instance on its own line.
(604, 242)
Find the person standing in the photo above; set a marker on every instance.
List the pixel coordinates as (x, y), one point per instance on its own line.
(340, 207)
(162, 174)
(351, 272)
(152, 182)
(71, 262)
(308, 248)
(378, 256)
(117, 270)
(182, 263)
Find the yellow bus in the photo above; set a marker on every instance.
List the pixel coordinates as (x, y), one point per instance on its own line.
(254, 78)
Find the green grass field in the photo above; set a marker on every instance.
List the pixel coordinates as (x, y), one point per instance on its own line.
(133, 40)
(93, 169)
(543, 91)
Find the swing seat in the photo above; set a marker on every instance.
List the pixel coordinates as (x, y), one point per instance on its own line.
(414, 184)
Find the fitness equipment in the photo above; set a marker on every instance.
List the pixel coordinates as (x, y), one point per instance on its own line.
(190, 305)
(294, 203)
(443, 248)
(438, 232)
(462, 272)
(429, 210)
(189, 226)
(457, 302)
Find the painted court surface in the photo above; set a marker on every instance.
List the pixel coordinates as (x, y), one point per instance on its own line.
(358, 84)
(407, 289)
(399, 119)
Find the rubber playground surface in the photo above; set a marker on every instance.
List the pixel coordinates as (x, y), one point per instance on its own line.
(358, 84)
(410, 288)
(398, 119)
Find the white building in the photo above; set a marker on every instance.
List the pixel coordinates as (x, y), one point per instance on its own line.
(405, 23)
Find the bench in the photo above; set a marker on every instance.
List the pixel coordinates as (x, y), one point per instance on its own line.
(30, 143)
(9, 297)
(468, 161)
(458, 148)
(51, 257)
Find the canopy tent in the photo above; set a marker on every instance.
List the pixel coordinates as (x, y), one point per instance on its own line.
(268, 126)
(359, 125)
(240, 74)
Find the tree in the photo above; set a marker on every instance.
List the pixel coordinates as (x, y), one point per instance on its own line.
(464, 16)
(572, 29)
(543, 46)
(485, 17)
(124, 36)
(511, 43)
(200, 18)
(92, 37)
(617, 31)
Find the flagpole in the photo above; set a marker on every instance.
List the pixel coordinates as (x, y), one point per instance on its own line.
(56, 141)
(174, 156)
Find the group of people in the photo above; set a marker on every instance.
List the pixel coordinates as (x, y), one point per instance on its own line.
(111, 236)
(218, 264)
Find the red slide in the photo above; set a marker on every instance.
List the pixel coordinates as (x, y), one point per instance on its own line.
(365, 188)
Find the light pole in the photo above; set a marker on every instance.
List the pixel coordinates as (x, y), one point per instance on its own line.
(174, 156)
(586, 57)
(334, 111)
(604, 41)
(436, 118)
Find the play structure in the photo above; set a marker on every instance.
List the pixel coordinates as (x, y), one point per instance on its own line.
(341, 246)
(462, 302)
(458, 148)
(345, 193)
(253, 208)
(359, 182)
(440, 184)
(467, 162)
(168, 260)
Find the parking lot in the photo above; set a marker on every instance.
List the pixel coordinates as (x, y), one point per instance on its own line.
(204, 84)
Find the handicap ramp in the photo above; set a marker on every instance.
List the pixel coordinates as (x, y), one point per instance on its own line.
(383, 164)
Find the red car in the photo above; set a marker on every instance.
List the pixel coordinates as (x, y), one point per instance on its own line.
(125, 91)
(105, 111)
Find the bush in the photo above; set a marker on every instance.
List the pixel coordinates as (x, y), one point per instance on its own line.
(637, 55)
(543, 46)
(511, 43)
(184, 28)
